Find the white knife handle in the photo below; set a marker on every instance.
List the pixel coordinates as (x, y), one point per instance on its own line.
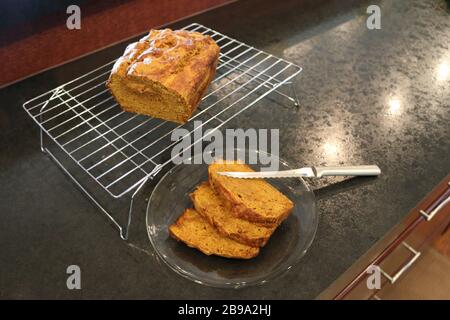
(347, 171)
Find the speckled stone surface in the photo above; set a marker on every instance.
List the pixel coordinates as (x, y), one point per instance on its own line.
(367, 96)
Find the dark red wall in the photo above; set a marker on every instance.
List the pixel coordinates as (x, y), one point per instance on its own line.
(33, 46)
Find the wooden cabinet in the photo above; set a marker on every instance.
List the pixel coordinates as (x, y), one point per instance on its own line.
(412, 259)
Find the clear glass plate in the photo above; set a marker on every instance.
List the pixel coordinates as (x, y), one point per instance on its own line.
(284, 249)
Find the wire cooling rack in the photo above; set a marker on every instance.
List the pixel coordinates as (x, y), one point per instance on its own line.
(120, 151)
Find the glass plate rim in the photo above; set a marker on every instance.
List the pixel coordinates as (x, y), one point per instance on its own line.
(232, 285)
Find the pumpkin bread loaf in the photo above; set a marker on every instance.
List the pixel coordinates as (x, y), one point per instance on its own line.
(209, 205)
(165, 74)
(192, 229)
(254, 200)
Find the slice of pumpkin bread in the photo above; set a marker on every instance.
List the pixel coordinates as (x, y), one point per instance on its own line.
(254, 200)
(211, 207)
(192, 229)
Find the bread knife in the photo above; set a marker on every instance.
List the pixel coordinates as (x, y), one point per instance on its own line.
(308, 172)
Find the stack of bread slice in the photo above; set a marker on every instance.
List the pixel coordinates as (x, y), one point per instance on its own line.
(231, 217)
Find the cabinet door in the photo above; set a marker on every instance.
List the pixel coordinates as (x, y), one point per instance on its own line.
(396, 254)
(428, 278)
(415, 269)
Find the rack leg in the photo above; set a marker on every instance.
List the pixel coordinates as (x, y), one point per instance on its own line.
(294, 95)
(41, 131)
(42, 141)
(124, 231)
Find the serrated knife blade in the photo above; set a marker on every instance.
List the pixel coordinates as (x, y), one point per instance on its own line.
(308, 172)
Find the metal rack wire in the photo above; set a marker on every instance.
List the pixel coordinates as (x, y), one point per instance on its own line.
(120, 151)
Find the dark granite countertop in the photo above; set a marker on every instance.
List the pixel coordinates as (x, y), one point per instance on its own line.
(367, 96)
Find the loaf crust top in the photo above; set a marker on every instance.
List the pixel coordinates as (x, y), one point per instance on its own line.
(177, 59)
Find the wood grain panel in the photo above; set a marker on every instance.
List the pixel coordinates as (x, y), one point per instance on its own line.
(442, 244)
(427, 233)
